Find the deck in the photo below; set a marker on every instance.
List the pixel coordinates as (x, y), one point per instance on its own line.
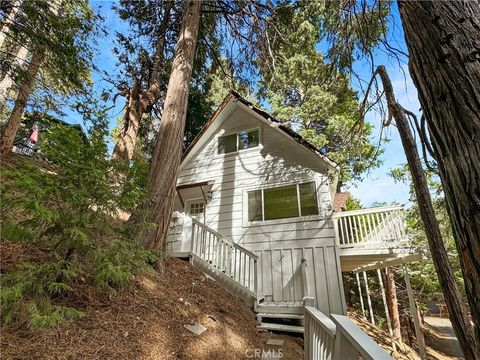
(374, 238)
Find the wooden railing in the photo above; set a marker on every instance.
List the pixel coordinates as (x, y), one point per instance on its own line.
(233, 260)
(339, 339)
(371, 226)
(352, 343)
(319, 335)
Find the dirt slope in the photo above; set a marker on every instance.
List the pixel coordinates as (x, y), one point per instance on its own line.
(145, 322)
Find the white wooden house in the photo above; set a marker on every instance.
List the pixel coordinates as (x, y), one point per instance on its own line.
(254, 210)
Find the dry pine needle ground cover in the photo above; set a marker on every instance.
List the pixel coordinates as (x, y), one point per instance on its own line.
(144, 322)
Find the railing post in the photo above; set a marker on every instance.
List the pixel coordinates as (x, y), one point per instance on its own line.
(336, 229)
(255, 276)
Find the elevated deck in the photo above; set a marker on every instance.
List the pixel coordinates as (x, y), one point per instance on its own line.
(374, 238)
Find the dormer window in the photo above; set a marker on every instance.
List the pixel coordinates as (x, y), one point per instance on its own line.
(238, 141)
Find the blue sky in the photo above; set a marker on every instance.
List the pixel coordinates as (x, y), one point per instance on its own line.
(377, 185)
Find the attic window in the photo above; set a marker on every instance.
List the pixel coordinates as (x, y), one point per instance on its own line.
(238, 141)
(283, 202)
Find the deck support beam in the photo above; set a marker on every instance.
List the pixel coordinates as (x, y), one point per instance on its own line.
(414, 312)
(360, 294)
(391, 292)
(370, 310)
(387, 313)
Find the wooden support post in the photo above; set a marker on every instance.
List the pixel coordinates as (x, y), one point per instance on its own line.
(391, 292)
(360, 294)
(414, 312)
(369, 301)
(387, 313)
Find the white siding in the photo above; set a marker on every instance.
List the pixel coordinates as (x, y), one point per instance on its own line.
(278, 160)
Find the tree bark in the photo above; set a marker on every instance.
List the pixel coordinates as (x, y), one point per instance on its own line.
(141, 102)
(7, 82)
(157, 208)
(23, 94)
(9, 18)
(444, 49)
(457, 309)
(391, 292)
(131, 122)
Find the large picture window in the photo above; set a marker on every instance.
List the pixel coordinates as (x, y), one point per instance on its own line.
(238, 141)
(283, 202)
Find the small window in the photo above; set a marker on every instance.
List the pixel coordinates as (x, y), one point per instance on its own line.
(247, 139)
(196, 208)
(227, 144)
(238, 141)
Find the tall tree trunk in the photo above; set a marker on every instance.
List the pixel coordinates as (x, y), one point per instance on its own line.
(131, 122)
(23, 94)
(141, 102)
(8, 20)
(391, 292)
(444, 49)
(167, 152)
(7, 82)
(456, 307)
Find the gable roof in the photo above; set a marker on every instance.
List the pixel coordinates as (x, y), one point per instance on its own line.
(233, 96)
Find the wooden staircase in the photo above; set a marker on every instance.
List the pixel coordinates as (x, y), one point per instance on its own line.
(235, 268)
(229, 264)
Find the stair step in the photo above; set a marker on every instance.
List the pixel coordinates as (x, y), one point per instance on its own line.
(281, 327)
(275, 309)
(280, 316)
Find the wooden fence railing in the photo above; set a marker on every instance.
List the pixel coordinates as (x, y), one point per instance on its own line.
(233, 260)
(319, 335)
(337, 339)
(371, 226)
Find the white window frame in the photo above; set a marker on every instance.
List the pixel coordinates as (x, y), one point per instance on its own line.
(189, 202)
(248, 223)
(237, 132)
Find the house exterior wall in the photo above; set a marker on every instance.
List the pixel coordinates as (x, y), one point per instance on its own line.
(280, 244)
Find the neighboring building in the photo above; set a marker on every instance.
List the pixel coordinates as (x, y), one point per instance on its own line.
(31, 131)
(254, 209)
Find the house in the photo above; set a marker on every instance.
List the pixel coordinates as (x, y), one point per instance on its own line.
(32, 127)
(254, 209)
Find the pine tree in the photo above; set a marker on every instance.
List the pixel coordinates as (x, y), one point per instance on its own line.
(57, 38)
(311, 96)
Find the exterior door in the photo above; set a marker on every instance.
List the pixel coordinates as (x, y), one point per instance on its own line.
(195, 209)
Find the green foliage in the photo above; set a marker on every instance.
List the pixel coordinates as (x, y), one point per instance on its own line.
(63, 34)
(70, 207)
(312, 97)
(353, 203)
(30, 288)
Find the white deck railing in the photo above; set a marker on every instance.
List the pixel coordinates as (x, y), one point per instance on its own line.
(381, 225)
(319, 335)
(339, 339)
(236, 262)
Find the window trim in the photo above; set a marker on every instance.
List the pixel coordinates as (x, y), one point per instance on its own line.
(300, 218)
(186, 208)
(237, 132)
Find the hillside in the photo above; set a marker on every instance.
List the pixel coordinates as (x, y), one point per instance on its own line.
(144, 322)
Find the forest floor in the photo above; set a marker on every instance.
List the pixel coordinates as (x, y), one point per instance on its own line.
(439, 336)
(440, 340)
(145, 322)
